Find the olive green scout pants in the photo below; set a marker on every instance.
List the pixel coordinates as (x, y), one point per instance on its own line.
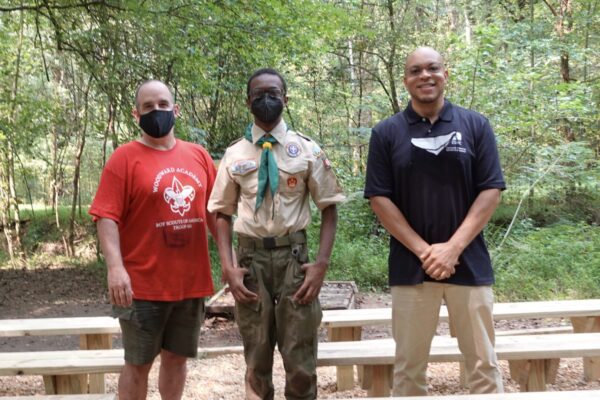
(275, 275)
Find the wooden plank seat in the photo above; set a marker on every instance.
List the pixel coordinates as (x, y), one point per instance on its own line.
(63, 397)
(65, 372)
(342, 325)
(94, 333)
(533, 359)
(564, 395)
(345, 325)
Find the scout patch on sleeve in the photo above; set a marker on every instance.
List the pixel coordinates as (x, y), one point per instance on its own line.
(326, 163)
(292, 149)
(242, 167)
(316, 150)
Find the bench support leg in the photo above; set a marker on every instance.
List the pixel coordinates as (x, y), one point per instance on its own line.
(591, 365)
(381, 382)
(95, 342)
(65, 384)
(50, 384)
(551, 370)
(345, 374)
(365, 377)
(532, 375)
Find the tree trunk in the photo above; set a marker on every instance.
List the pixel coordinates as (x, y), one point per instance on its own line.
(11, 214)
(76, 173)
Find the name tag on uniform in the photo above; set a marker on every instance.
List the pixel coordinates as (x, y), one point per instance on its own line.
(242, 167)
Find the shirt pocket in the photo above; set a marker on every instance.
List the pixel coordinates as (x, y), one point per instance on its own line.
(245, 173)
(292, 177)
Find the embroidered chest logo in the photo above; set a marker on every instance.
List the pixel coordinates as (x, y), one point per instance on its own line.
(456, 143)
(179, 197)
(292, 149)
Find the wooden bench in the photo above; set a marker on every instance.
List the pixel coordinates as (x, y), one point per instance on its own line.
(94, 333)
(342, 325)
(65, 397)
(346, 325)
(566, 395)
(65, 372)
(533, 359)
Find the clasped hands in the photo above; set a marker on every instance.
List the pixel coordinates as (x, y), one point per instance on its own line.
(439, 260)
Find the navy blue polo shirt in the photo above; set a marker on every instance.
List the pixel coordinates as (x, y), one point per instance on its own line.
(433, 173)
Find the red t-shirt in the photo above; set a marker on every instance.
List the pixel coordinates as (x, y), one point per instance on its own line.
(158, 198)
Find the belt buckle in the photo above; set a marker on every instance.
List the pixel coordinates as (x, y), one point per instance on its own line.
(269, 243)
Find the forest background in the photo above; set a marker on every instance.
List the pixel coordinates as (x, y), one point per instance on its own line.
(69, 69)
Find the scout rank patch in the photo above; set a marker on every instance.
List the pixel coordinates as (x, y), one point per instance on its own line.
(292, 182)
(242, 167)
(318, 153)
(316, 150)
(292, 149)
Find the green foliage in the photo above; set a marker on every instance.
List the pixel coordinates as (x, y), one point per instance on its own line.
(40, 227)
(361, 246)
(547, 263)
(69, 73)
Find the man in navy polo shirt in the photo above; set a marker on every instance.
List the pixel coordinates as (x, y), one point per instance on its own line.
(434, 180)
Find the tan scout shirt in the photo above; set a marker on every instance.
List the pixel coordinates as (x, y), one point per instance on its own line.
(303, 169)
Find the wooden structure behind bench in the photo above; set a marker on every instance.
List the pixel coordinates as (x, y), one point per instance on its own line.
(346, 325)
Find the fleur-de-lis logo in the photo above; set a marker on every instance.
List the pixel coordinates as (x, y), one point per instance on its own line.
(179, 197)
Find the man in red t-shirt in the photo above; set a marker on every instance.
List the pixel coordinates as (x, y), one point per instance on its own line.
(150, 211)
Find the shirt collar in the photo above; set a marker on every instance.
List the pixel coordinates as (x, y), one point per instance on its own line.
(412, 117)
(278, 132)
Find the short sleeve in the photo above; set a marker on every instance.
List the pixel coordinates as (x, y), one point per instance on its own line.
(487, 171)
(379, 181)
(109, 201)
(322, 182)
(225, 191)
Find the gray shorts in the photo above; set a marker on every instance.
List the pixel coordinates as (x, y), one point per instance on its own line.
(149, 326)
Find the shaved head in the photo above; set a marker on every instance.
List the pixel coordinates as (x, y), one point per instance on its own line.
(423, 51)
(155, 83)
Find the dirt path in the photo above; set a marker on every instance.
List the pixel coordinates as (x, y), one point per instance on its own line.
(54, 292)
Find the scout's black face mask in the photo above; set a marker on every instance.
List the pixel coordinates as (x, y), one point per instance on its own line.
(267, 108)
(157, 123)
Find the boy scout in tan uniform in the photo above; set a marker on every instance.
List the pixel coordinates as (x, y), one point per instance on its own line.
(275, 287)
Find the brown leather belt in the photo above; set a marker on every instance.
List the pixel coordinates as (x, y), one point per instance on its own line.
(269, 243)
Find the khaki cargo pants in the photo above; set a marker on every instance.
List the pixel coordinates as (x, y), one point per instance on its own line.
(275, 275)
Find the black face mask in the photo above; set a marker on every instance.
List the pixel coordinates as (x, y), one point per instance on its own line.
(267, 108)
(157, 123)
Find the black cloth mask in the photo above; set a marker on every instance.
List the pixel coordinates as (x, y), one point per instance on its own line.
(157, 123)
(267, 108)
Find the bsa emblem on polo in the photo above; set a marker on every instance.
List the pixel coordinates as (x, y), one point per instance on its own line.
(292, 182)
(292, 149)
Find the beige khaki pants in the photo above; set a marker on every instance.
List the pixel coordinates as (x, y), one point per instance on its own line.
(415, 312)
